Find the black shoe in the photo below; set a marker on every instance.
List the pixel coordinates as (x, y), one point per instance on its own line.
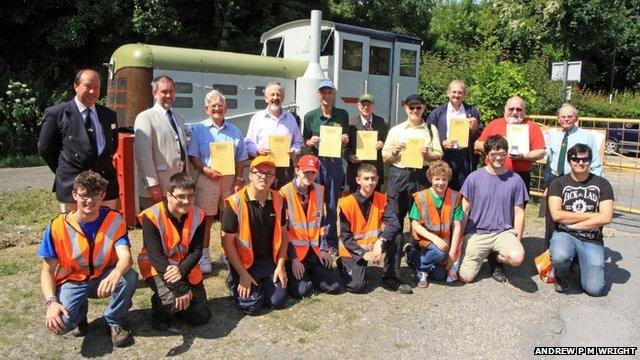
(560, 285)
(394, 284)
(81, 329)
(498, 273)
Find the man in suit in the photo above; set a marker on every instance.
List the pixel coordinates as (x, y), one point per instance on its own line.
(80, 135)
(460, 157)
(160, 143)
(365, 120)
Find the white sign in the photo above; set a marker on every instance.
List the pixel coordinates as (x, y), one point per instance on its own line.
(574, 68)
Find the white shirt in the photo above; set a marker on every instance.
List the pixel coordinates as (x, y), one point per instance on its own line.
(97, 128)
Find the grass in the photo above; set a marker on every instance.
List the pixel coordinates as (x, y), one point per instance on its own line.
(25, 213)
(16, 161)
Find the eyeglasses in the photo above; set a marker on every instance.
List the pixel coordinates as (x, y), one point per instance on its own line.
(413, 108)
(566, 117)
(581, 159)
(183, 198)
(262, 174)
(512, 109)
(87, 196)
(501, 154)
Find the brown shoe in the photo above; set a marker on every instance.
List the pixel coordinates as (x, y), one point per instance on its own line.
(120, 337)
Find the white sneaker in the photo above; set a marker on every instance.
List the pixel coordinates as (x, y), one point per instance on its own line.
(423, 279)
(205, 262)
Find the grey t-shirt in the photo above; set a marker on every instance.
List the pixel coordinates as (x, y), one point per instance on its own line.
(492, 199)
(580, 197)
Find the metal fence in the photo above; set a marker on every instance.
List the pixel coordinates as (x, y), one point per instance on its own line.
(621, 149)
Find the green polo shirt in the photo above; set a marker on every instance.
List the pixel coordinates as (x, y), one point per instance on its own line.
(314, 119)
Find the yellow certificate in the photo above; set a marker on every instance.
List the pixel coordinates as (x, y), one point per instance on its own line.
(223, 157)
(366, 145)
(410, 157)
(518, 138)
(279, 146)
(330, 141)
(459, 132)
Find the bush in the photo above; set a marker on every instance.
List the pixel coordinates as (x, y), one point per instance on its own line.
(596, 104)
(20, 119)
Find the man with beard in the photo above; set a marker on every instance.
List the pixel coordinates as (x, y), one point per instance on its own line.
(514, 113)
(160, 146)
(274, 120)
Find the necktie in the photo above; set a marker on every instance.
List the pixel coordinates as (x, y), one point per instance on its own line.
(175, 129)
(88, 126)
(367, 125)
(563, 154)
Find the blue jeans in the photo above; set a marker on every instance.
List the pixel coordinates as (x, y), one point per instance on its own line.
(73, 296)
(331, 176)
(564, 247)
(425, 259)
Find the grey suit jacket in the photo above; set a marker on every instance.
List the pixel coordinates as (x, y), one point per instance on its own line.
(156, 147)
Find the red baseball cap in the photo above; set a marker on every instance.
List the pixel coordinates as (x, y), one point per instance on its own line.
(309, 163)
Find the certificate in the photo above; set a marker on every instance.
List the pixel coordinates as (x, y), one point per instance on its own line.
(330, 141)
(459, 132)
(223, 157)
(279, 146)
(410, 157)
(366, 145)
(518, 138)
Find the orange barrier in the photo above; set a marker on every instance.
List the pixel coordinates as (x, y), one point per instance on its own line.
(124, 164)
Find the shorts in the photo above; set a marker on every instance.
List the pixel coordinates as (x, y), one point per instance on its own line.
(478, 246)
(210, 194)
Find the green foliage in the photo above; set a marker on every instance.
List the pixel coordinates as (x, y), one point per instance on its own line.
(20, 117)
(596, 104)
(14, 161)
(152, 18)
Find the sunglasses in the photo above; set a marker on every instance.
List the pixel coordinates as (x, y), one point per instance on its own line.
(412, 108)
(580, 159)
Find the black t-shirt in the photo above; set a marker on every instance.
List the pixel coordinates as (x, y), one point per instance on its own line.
(262, 223)
(580, 197)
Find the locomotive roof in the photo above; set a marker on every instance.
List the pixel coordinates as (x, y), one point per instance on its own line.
(206, 61)
(351, 29)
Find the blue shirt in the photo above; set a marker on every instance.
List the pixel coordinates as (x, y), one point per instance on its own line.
(97, 128)
(206, 132)
(576, 136)
(46, 250)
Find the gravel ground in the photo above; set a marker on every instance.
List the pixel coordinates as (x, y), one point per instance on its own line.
(39, 177)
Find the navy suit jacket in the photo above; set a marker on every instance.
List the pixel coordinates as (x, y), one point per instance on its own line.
(65, 147)
(355, 124)
(462, 161)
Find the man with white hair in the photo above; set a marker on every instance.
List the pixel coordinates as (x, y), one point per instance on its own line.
(274, 120)
(212, 187)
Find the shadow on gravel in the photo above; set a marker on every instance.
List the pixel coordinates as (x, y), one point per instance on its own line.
(613, 274)
(224, 319)
(523, 275)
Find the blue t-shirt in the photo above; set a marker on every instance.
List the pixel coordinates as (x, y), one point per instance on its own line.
(492, 199)
(46, 249)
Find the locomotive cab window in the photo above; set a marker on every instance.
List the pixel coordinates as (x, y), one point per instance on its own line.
(275, 47)
(379, 60)
(183, 102)
(408, 60)
(351, 55)
(326, 41)
(226, 89)
(184, 88)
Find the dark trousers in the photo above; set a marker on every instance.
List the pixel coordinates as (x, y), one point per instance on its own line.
(266, 293)
(352, 271)
(163, 303)
(403, 183)
(316, 275)
(331, 176)
(283, 176)
(526, 177)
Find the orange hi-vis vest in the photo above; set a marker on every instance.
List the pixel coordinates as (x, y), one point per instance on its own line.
(304, 229)
(238, 203)
(365, 231)
(78, 258)
(175, 246)
(435, 221)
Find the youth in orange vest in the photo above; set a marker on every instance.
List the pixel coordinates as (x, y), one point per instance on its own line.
(365, 231)
(436, 221)
(304, 228)
(176, 246)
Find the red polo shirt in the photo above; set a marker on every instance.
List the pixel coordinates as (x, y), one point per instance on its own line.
(536, 141)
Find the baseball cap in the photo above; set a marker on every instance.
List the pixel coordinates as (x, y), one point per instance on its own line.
(263, 159)
(414, 99)
(308, 163)
(326, 83)
(367, 97)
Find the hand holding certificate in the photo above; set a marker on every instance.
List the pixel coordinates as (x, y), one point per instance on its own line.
(366, 145)
(518, 139)
(279, 146)
(223, 157)
(459, 132)
(330, 141)
(410, 157)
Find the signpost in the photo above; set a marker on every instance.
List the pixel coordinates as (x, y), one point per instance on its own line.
(566, 71)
